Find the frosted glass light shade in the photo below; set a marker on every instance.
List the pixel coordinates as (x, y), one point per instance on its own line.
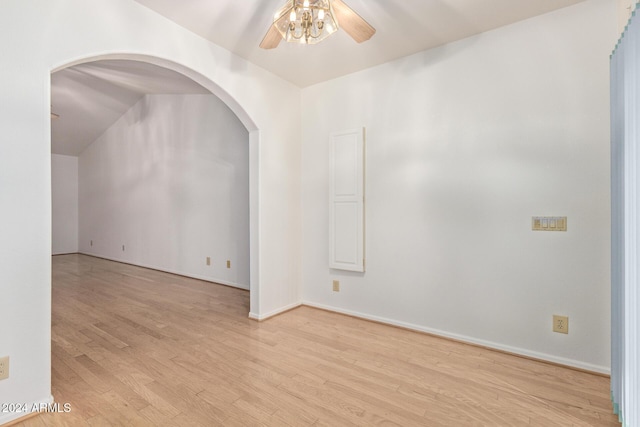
(312, 25)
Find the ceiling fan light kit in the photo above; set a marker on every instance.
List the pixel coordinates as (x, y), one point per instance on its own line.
(301, 21)
(311, 21)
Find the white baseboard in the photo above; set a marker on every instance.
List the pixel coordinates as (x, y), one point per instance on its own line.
(32, 407)
(463, 338)
(167, 270)
(280, 310)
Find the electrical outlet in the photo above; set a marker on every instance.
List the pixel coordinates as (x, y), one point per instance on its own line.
(4, 368)
(228, 264)
(122, 248)
(336, 286)
(91, 243)
(208, 260)
(560, 324)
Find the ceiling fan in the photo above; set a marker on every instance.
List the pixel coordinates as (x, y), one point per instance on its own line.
(311, 21)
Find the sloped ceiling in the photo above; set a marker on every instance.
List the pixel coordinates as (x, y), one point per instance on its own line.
(91, 97)
(403, 27)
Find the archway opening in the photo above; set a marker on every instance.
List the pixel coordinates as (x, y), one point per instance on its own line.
(126, 76)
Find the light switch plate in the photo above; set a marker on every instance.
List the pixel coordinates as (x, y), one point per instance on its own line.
(549, 223)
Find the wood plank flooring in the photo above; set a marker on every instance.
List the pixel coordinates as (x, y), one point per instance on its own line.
(136, 347)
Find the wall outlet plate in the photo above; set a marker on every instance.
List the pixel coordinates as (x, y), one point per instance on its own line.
(228, 264)
(560, 324)
(336, 286)
(4, 368)
(208, 260)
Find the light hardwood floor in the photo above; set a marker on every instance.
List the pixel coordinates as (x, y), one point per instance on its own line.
(133, 347)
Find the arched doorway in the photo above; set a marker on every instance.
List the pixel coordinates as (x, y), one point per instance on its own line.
(247, 122)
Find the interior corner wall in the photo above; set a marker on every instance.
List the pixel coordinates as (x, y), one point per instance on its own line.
(64, 204)
(464, 144)
(167, 186)
(625, 9)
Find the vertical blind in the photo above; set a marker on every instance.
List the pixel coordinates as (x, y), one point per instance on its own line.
(625, 225)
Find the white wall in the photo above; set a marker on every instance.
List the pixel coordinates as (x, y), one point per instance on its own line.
(465, 143)
(37, 37)
(512, 122)
(64, 204)
(625, 9)
(170, 181)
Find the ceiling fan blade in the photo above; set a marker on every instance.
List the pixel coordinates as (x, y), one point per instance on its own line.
(352, 23)
(271, 39)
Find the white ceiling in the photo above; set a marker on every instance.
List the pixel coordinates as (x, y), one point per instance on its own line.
(403, 27)
(91, 97)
